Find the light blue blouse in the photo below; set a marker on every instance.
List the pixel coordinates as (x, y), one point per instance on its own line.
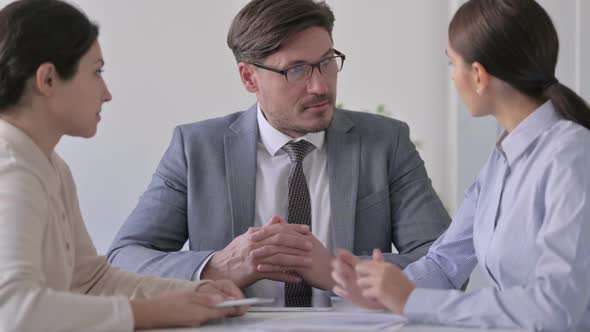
(526, 219)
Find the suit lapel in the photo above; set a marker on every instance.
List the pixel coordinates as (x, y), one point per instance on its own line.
(343, 172)
(240, 142)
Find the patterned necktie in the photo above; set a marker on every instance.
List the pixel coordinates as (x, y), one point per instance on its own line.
(298, 294)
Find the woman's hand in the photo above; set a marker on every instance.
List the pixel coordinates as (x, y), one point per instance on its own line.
(384, 282)
(188, 307)
(344, 276)
(228, 289)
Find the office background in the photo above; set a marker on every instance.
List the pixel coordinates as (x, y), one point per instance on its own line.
(167, 63)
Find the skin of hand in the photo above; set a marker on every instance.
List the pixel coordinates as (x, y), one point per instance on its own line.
(229, 291)
(179, 309)
(344, 276)
(384, 282)
(273, 243)
(316, 271)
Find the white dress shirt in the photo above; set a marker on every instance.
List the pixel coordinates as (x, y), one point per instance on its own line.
(49, 268)
(526, 220)
(272, 189)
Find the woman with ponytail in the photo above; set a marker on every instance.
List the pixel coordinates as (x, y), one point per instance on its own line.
(526, 219)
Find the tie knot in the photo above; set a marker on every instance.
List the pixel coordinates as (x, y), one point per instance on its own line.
(298, 150)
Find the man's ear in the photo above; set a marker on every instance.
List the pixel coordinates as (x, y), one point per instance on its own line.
(481, 77)
(248, 77)
(45, 79)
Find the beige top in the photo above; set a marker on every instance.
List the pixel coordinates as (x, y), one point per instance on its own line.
(47, 259)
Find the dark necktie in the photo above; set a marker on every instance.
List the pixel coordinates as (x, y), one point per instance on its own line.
(298, 294)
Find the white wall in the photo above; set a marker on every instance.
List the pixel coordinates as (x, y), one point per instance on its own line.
(583, 27)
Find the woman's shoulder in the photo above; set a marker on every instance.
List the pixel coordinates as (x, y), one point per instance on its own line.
(568, 137)
(12, 163)
(22, 183)
(567, 150)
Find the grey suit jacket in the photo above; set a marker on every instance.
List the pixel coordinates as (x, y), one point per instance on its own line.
(205, 185)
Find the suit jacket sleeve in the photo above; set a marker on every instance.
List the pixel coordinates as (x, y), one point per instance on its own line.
(151, 239)
(418, 216)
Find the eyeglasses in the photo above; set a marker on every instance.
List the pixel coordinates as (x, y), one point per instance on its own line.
(328, 67)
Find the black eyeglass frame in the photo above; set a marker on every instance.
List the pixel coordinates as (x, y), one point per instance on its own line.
(313, 66)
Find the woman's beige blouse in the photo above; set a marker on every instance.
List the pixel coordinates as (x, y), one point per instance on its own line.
(50, 273)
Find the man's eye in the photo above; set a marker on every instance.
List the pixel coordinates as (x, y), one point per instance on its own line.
(326, 62)
(297, 69)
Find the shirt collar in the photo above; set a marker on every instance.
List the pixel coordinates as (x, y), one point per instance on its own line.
(26, 149)
(513, 144)
(274, 140)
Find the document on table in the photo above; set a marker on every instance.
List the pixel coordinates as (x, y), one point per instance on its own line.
(329, 321)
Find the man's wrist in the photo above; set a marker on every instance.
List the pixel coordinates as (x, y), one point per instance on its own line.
(329, 282)
(209, 270)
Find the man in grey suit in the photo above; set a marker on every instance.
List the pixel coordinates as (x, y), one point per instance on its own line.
(266, 195)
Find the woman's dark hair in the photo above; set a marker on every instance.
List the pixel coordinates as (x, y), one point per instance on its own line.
(263, 26)
(515, 41)
(34, 32)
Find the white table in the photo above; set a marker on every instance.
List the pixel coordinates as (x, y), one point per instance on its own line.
(247, 322)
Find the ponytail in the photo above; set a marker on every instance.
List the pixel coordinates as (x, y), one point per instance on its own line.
(569, 104)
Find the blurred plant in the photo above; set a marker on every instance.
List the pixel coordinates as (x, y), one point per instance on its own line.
(381, 110)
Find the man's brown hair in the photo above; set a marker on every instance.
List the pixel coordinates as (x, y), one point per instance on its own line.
(263, 26)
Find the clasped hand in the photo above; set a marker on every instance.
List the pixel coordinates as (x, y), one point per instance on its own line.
(273, 251)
